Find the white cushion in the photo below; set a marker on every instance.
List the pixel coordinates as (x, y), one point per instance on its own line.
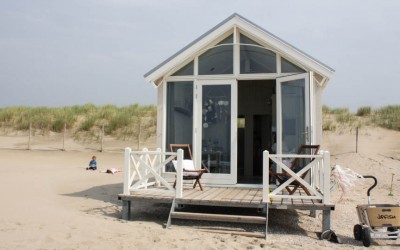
(186, 164)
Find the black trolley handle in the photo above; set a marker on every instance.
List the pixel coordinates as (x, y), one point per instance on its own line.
(369, 189)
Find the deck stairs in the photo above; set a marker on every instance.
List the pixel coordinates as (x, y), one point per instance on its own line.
(218, 217)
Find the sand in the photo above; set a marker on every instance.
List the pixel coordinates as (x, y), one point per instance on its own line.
(49, 200)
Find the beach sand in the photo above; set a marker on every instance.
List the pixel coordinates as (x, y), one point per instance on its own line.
(49, 201)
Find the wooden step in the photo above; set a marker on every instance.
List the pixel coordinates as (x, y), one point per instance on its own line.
(247, 234)
(219, 217)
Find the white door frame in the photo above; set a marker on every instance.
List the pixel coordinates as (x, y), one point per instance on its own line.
(215, 178)
(306, 77)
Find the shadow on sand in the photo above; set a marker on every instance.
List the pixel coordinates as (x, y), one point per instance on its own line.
(111, 207)
(280, 221)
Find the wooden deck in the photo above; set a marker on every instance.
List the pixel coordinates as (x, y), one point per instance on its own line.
(224, 196)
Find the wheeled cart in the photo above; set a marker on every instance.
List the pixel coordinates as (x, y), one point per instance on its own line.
(377, 221)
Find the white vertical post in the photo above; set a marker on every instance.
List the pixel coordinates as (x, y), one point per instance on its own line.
(157, 162)
(321, 170)
(144, 169)
(327, 174)
(127, 171)
(266, 176)
(179, 174)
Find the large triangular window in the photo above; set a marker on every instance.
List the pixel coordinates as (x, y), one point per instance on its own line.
(218, 60)
(186, 70)
(254, 58)
(288, 67)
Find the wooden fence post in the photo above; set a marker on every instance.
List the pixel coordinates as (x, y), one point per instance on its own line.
(357, 140)
(30, 135)
(65, 131)
(140, 131)
(102, 138)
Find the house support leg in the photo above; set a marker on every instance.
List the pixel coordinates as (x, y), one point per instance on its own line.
(326, 220)
(313, 213)
(126, 210)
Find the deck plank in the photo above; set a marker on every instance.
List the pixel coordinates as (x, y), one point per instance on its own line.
(231, 195)
(249, 196)
(257, 199)
(240, 195)
(194, 194)
(223, 194)
(188, 192)
(206, 193)
(214, 194)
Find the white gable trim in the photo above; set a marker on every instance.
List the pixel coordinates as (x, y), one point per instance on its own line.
(236, 21)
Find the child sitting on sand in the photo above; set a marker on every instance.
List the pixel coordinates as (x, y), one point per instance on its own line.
(92, 164)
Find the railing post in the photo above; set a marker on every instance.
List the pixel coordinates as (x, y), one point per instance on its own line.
(127, 171)
(266, 176)
(157, 162)
(179, 174)
(144, 169)
(327, 175)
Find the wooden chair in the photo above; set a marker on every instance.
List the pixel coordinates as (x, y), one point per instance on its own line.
(296, 165)
(189, 171)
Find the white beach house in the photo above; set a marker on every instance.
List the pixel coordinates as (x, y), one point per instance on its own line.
(234, 91)
(244, 100)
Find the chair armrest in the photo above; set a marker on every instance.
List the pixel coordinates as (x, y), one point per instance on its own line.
(205, 167)
(197, 170)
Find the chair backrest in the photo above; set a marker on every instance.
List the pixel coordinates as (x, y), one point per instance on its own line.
(299, 163)
(187, 153)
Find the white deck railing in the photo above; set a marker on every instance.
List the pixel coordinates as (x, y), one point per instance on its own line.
(319, 186)
(142, 169)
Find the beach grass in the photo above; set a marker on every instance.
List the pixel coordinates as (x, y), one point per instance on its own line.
(82, 119)
(134, 121)
(386, 117)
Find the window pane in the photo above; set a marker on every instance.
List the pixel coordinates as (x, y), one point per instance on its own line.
(217, 60)
(216, 129)
(186, 70)
(254, 59)
(288, 67)
(179, 115)
(293, 115)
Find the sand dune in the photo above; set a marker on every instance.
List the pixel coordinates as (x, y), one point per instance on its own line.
(50, 202)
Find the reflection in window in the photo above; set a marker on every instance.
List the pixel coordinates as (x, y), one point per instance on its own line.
(179, 114)
(217, 60)
(186, 70)
(254, 58)
(293, 115)
(288, 67)
(216, 128)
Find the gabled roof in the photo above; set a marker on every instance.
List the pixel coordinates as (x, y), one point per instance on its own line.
(243, 24)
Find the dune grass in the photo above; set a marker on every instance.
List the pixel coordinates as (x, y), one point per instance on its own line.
(134, 121)
(84, 121)
(385, 117)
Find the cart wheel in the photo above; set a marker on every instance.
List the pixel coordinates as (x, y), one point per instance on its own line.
(392, 229)
(366, 239)
(357, 231)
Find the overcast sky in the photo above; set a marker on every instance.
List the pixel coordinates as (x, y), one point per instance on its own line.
(62, 53)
